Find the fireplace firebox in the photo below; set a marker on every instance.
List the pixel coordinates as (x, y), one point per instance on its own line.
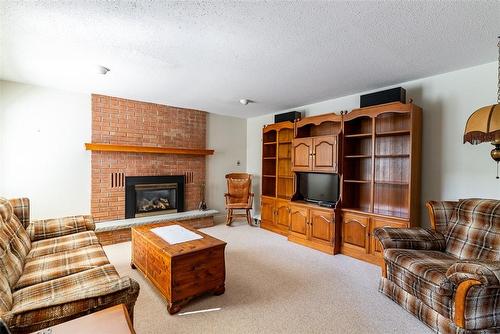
(153, 195)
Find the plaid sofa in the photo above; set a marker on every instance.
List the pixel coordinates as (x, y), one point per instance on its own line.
(54, 270)
(447, 276)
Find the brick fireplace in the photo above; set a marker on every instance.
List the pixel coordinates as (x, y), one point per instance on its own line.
(127, 122)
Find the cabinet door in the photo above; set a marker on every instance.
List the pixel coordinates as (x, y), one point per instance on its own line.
(325, 154)
(321, 226)
(267, 211)
(376, 247)
(282, 214)
(298, 221)
(302, 155)
(355, 232)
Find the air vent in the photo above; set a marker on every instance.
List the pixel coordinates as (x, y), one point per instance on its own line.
(189, 177)
(117, 180)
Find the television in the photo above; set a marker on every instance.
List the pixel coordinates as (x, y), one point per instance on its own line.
(317, 187)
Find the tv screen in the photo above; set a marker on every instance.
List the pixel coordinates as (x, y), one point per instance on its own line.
(317, 187)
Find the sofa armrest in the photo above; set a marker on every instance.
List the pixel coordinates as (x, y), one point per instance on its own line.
(410, 238)
(476, 281)
(485, 272)
(52, 228)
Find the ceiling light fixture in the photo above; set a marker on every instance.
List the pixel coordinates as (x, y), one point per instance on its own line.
(101, 69)
(484, 124)
(246, 101)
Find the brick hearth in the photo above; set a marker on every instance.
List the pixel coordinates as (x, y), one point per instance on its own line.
(128, 122)
(124, 234)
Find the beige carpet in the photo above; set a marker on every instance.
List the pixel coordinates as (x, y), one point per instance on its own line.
(275, 286)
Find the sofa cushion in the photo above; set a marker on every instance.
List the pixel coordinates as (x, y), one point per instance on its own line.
(9, 241)
(38, 306)
(61, 244)
(20, 239)
(21, 209)
(5, 295)
(474, 230)
(442, 211)
(52, 228)
(15, 234)
(87, 284)
(423, 274)
(6, 210)
(49, 267)
(11, 261)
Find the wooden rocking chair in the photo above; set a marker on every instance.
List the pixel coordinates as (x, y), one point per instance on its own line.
(239, 196)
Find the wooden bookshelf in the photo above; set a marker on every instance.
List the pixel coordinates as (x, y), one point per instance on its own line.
(376, 151)
(381, 164)
(278, 181)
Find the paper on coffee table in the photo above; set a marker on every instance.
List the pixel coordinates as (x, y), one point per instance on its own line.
(175, 234)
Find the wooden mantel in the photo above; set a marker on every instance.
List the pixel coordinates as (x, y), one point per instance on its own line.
(145, 149)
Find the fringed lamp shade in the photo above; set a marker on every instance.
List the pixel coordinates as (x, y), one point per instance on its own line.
(483, 125)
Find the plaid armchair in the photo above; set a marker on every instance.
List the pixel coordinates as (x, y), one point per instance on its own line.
(54, 270)
(447, 276)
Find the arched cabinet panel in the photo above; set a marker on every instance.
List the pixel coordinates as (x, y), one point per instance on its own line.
(322, 226)
(302, 155)
(355, 232)
(325, 154)
(298, 221)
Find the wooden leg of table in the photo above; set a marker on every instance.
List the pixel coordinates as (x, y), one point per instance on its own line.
(173, 308)
(220, 290)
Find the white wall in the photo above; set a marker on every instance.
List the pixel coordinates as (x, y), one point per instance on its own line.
(450, 169)
(42, 132)
(227, 136)
(42, 136)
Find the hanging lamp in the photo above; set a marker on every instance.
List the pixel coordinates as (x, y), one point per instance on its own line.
(484, 124)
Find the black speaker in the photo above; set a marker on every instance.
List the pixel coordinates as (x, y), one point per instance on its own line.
(397, 94)
(288, 116)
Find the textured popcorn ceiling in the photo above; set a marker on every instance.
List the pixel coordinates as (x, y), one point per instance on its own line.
(208, 55)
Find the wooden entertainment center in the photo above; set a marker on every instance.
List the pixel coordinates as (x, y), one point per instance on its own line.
(375, 151)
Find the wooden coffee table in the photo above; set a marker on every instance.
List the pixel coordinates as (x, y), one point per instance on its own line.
(181, 271)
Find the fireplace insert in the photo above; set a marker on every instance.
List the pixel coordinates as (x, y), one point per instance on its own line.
(153, 195)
